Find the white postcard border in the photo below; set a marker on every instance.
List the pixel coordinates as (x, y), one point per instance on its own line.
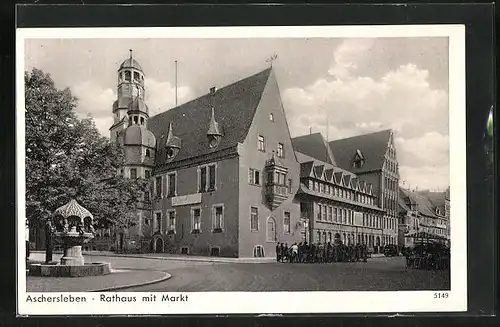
(270, 302)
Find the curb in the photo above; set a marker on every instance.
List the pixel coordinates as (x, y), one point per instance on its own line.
(154, 281)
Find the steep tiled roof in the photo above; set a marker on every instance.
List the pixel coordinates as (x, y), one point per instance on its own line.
(436, 199)
(314, 145)
(424, 205)
(373, 147)
(234, 109)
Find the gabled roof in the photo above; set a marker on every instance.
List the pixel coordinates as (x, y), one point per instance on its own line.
(424, 206)
(436, 199)
(315, 146)
(373, 147)
(234, 107)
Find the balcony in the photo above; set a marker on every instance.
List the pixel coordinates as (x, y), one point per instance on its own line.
(276, 194)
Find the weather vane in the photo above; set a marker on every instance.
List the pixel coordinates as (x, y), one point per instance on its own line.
(271, 59)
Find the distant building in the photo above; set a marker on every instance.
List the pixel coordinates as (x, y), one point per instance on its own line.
(429, 209)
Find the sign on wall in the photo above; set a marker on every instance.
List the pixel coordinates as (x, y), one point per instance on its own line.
(358, 218)
(186, 199)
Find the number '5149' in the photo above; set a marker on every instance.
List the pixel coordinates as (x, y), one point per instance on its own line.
(441, 295)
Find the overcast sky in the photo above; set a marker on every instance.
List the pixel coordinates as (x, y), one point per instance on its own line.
(361, 85)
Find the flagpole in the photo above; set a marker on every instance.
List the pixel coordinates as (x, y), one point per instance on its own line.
(176, 83)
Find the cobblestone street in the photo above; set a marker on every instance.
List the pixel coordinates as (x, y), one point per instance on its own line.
(378, 274)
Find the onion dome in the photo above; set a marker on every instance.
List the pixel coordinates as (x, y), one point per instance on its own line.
(214, 133)
(138, 135)
(172, 144)
(138, 106)
(131, 63)
(73, 209)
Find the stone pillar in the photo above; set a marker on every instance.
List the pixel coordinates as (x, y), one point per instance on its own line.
(72, 256)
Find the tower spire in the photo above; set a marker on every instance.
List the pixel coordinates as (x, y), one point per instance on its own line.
(130, 51)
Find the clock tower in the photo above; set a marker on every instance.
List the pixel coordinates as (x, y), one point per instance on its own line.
(129, 108)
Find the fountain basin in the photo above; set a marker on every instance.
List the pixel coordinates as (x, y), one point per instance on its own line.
(58, 270)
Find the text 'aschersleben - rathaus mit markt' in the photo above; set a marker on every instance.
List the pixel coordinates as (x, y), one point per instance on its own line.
(228, 180)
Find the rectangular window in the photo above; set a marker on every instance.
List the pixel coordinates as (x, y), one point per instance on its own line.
(286, 222)
(330, 213)
(254, 219)
(158, 221)
(289, 185)
(261, 143)
(133, 173)
(253, 176)
(281, 153)
(147, 173)
(218, 218)
(202, 180)
(324, 212)
(335, 214)
(171, 221)
(172, 184)
(211, 178)
(320, 207)
(158, 187)
(344, 216)
(322, 187)
(196, 220)
(146, 196)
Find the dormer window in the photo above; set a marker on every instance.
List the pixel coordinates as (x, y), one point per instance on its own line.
(172, 144)
(359, 159)
(214, 133)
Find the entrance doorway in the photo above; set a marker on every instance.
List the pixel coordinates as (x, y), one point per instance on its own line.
(159, 245)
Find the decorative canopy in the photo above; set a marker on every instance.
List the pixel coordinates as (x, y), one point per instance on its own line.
(73, 208)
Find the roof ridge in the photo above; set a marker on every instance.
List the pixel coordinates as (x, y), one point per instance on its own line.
(361, 135)
(219, 90)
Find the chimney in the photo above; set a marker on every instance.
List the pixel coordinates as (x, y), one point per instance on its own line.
(213, 90)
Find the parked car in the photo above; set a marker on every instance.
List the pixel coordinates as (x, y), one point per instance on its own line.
(391, 250)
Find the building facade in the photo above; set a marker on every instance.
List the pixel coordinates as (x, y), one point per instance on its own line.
(423, 217)
(373, 158)
(338, 206)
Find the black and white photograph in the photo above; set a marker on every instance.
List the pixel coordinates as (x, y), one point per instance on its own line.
(168, 170)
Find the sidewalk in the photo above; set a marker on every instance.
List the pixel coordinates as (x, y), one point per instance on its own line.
(176, 257)
(118, 279)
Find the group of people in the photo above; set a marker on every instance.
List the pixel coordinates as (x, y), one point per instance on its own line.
(304, 252)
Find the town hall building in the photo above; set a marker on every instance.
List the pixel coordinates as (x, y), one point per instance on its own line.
(227, 179)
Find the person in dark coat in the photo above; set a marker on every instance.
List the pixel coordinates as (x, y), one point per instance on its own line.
(285, 253)
(278, 252)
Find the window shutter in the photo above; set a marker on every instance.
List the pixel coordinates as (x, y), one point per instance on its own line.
(250, 176)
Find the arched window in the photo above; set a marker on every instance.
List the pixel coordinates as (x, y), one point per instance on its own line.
(128, 75)
(271, 229)
(136, 120)
(148, 153)
(137, 77)
(142, 120)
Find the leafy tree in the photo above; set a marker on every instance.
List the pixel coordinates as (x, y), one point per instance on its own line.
(67, 158)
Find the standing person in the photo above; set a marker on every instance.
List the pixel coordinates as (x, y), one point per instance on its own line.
(282, 251)
(295, 252)
(278, 252)
(286, 254)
